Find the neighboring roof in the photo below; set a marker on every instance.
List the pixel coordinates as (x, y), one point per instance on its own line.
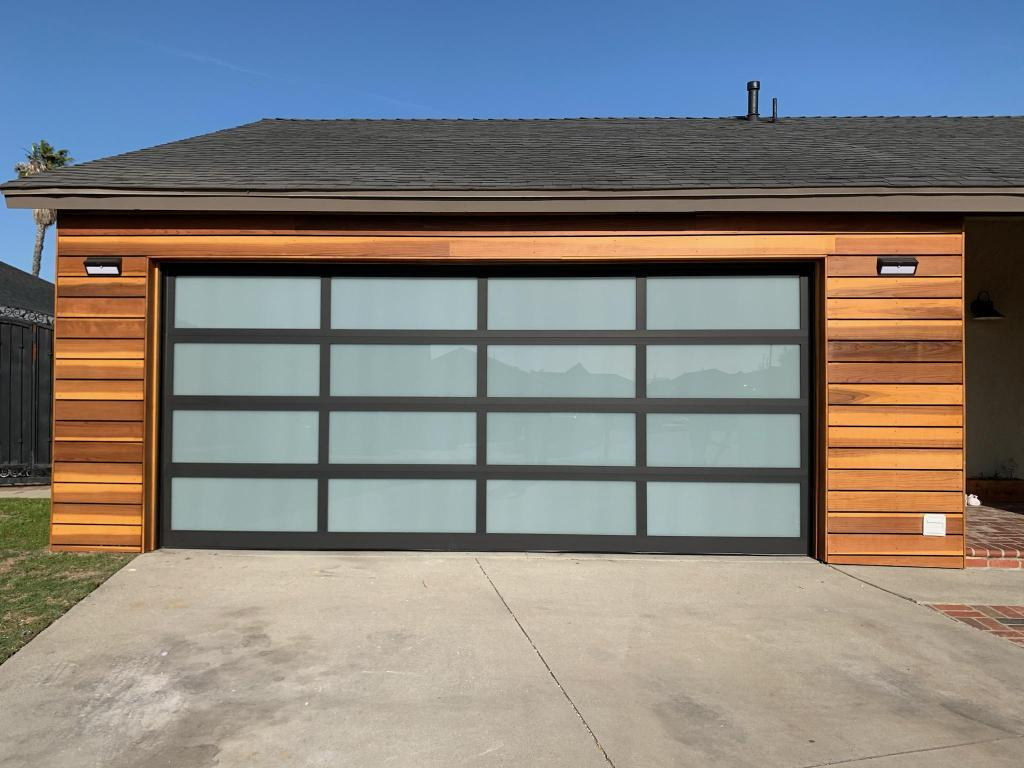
(20, 290)
(599, 158)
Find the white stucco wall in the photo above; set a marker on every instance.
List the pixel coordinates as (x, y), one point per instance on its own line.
(995, 350)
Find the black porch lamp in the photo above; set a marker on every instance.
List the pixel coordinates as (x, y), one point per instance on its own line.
(982, 308)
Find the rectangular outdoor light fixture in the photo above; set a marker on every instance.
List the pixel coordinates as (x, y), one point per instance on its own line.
(106, 266)
(897, 265)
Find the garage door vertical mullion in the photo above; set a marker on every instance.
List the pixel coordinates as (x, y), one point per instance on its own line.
(481, 413)
(640, 439)
(324, 420)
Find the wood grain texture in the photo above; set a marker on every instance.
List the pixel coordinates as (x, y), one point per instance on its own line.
(65, 368)
(895, 458)
(99, 328)
(81, 389)
(101, 431)
(893, 287)
(95, 308)
(894, 351)
(895, 330)
(101, 287)
(92, 548)
(74, 266)
(896, 416)
(98, 493)
(895, 394)
(914, 561)
(100, 451)
(895, 480)
(100, 349)
(98, 514)
(107, 535)
(895, 373)
(895, 437)
(894, 309)
(96, 472)
(880, 522)
(893, 544)
(98, 410)
(895, 245)
(867, 266)
(896, 501)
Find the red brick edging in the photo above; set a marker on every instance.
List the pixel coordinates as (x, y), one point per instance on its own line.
(1006, 621)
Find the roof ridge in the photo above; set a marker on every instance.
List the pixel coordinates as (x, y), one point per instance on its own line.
(592, 118)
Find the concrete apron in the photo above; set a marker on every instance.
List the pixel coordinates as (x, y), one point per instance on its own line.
(264, 659)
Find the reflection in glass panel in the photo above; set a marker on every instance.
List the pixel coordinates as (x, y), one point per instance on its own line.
(247, 369)
(415, 303)
(685, 303)
(243, 504)
(402, 437)
(727, 370)
(412, 506)
(247, 302)
(243, 437)
(561, 371)
(561, 304)
(723, 509)
(397, 370)
(598, 507)
(561, 438)
(723, 440)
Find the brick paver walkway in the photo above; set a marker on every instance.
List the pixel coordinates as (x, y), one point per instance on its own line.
(1002, 620)
(995, 537)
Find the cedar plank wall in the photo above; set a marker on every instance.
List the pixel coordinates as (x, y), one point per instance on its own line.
(890, 370)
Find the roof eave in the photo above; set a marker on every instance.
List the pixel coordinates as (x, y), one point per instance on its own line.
(808, 199)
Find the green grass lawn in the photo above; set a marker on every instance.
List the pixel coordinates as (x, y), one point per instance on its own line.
(37, 586)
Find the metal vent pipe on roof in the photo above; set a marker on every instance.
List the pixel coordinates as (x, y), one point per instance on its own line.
(753, 87)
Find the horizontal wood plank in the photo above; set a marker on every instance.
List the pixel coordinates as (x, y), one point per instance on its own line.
(894, 287)
(107, 535)
(894, 351)
(895, 394)
(98, 514)
(880, 522)
(898, 560)
(99, 329)
(894, 330)
(895, 437)
(894, 309)
(97, 493)
(100, 287)
(895, 501)
(96, 308)
(99, 349)
(893, 244)
(950, 265)
(74, 266)
(895, 373)
(80, 389)
(66, 368)
(98, 451)
(895, 415)
(894, 544)
(95, 472)
(99, 410)
(93, 548)
(895, 480)
(103, 431)
(895, 458)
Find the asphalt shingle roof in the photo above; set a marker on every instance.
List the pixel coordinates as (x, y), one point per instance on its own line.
(23, 291)
(569, 154)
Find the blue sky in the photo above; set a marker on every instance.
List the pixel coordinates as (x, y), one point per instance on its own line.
(101, 77)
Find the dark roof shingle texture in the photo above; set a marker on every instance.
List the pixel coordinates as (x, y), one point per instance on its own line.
(569, 154)
(23, 291)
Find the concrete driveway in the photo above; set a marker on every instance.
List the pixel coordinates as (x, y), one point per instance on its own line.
(259, 659)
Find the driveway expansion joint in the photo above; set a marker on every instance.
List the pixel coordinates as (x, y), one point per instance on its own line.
(544, 661)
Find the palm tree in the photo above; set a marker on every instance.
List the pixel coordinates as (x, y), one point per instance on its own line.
(42, 157)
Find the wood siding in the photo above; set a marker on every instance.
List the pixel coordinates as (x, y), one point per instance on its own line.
(890, 372)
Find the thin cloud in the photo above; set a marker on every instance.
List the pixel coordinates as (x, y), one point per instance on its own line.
(202, 58)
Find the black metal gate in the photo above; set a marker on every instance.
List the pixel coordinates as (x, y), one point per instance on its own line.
(26, 365)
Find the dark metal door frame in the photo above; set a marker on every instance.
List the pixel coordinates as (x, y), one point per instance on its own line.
(480, 540)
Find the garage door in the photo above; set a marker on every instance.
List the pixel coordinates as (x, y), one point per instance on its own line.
(573, 410)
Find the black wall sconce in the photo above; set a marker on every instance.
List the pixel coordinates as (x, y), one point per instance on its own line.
(982, 308)
(897, 265)
(103, 266)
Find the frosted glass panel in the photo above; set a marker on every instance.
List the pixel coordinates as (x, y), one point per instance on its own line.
(396, 370)
(723, 509)
(561, 506)
(723, 440)
(246, 369)
(402, 437)
(561, 371)
(414, 506)
(280, 437)
(561, 304)
(243, 504)
(682, 303)
(727, 370)
(247, 302)
(561, 438)
(403, 303)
